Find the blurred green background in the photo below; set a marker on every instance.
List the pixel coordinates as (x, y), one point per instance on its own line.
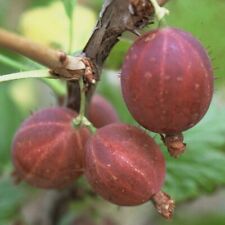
(196, 180)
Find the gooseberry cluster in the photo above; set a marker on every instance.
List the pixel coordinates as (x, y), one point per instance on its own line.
(48, 152)
(167, 85)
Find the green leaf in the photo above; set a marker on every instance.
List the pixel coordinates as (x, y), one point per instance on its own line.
(208, 14)
(38, 3)
(39, 25)
(11, 198)
(108, 87)
(69, 7)
(201, 168)
(12, 63)
(117, 55)
(10, 118)
(5, 5)
(57, 87)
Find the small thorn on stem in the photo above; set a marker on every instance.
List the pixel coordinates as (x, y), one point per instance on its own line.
(164, 204)
(174, 143)
(131, 9)
(93, 81)
(62, 57)
(136, 32)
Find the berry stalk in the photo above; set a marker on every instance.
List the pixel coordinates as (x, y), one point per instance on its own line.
(174, 143)
(81, 119)
(164, 204)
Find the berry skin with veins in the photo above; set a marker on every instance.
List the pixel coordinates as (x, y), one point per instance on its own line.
(126, 167)
(101, 112)
(167, 83)
(47, 151)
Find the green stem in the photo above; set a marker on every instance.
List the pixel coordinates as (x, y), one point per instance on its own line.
(81, 120)
(71, 34)
(89, 125)
(27, 74)
(71, 26)
(162, 23)
(12, 63)
(55, 85)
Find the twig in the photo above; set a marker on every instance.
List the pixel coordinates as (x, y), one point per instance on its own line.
(116, 17)
(43, 55)
(61, 64)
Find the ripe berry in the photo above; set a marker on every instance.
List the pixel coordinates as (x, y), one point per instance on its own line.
(125, 166)
(101, 112)
(167, 83)
(47, 151)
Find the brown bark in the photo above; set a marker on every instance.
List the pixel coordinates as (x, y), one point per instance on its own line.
(116, 17)
(65, 67)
